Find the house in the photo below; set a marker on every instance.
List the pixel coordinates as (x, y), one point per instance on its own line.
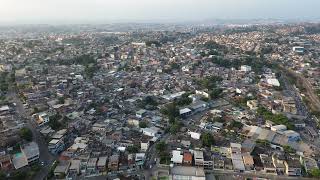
(92, 165)
(289, 105)
(194, 135)
(42, 118)
(267, 163)
(19, 161)
(217, 126)
(187, 159)
(292, 135)
(102, 163)
(245, 68)
(144, 145)
(208, 161)
(4, 109)
(5, 162)
(273, 82)
(237, 162)
(75, 167)
(187, 172)
(31, 152)
(248, 162)
(56, 146)
(62, 169)
(185, 112)
(298, 49)
(113, 164)
(247, 146)
(141, 113)
(278, 160)
(279, 128)
(198, 158)
(228, 165)
(152, 131)
(198, 106)
(140, 158)
(252, 104)
(293, 166)
(177, 157)
(202, 93)
(218, 163)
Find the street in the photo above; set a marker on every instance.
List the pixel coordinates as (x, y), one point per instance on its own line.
(45, 156)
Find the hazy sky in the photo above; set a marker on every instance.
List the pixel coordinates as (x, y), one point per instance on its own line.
(77, 11)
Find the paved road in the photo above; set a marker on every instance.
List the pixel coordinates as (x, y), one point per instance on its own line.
(151, 155)
(225, 174)
(45, 156)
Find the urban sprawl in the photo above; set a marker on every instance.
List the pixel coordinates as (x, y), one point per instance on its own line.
(152, 101)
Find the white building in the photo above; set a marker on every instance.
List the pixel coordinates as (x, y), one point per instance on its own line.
(245, 68)
(279, 128)
(31, 152)
(298, 49)
(152, 131)
(273, 82)
(177, 157)
(195, 135)
(187, 173)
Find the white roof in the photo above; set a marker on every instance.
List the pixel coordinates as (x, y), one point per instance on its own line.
(19, 161)
(177, 156)
(31, 149)
(189, 171)
(4, 108)
(280, 127)
(54, 141)
(184, 110)
(198, 154)
(273, 82)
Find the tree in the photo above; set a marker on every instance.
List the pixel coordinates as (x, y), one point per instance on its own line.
(170, 110)
(207, 139)
(236, 124)
(142, 124)
(161, 146)
(3, 175)
(133, 149)
(184, 100)
(61, 100)
(175, 127)
(26, 134)
(215, 93)
(55, 124)
(288, 149)
(315, 173)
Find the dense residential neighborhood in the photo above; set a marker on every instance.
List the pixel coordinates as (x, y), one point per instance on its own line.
(160, 102)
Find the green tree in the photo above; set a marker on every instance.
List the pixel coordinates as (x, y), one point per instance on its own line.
(3, 175)
(288, 149)
(175, 127)
(184, 100)
(315, 173)
(142, 124)
(170, 110)
(61, 100)
(207, 139)
(26, 134)
(133, 149)
(54, 123)
(215, 93)
(161, 146)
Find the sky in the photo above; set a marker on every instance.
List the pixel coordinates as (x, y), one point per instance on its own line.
(104, 11)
